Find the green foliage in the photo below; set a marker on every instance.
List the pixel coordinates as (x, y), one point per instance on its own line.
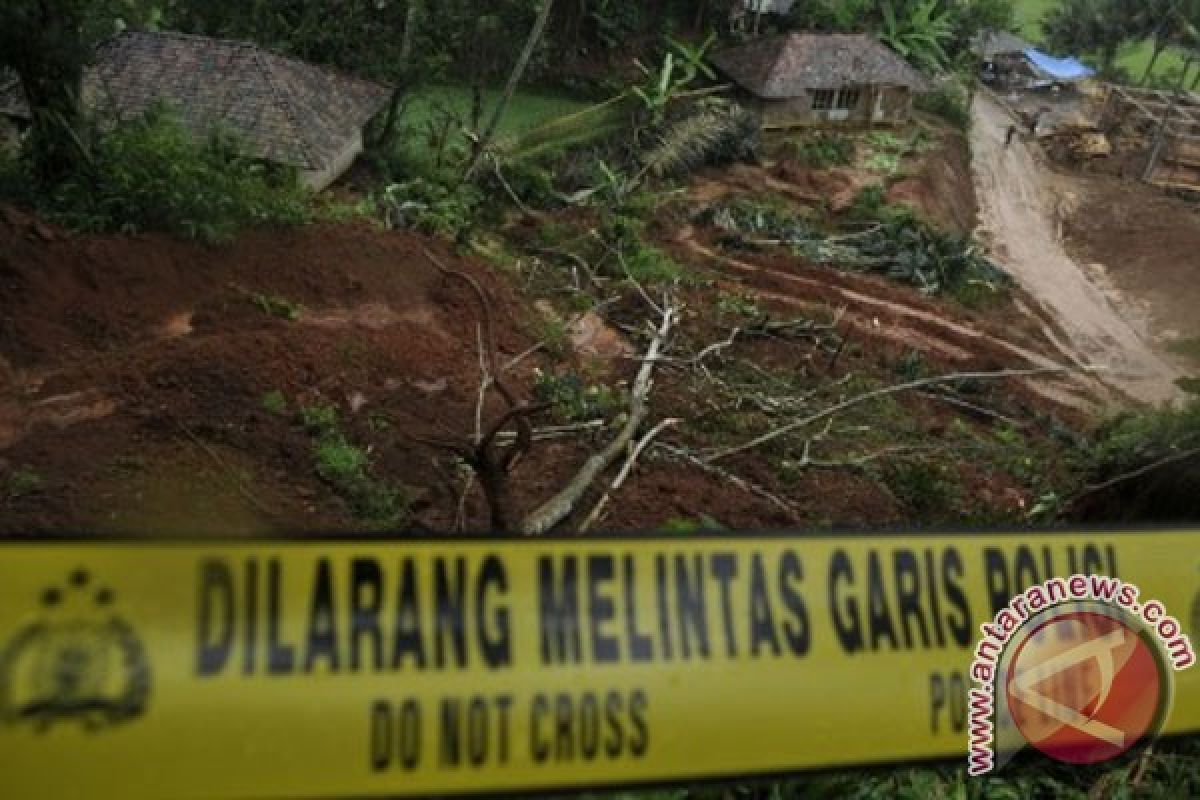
(925, 488)
(276, 306)
(680, 68)
(319, 419)
(871, 205)
(701, 524)
(432, 207)
(573, 399)
(1133, 440)
(345, 467)
(633, 259)
(919, 30)
(710, 137)
(20, 483)
(150, 175)
(822, 150)
(274, 402)
(948, 102)
(898, 244)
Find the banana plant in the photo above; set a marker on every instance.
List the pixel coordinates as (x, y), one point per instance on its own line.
(919, 32)
(681, 66)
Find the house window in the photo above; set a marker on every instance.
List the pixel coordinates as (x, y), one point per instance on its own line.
(835, 100)
(823, 100)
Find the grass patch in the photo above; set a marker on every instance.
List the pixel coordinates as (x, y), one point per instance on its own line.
(275, 403)
(21, 482)
(276, 306)
(345, 468)
(821, 150)
(1134, 57)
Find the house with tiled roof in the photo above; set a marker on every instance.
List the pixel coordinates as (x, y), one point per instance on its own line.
(805, 79)
(283, 111)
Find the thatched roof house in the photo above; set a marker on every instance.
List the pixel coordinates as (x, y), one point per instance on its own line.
(801, 79)
(285, 111)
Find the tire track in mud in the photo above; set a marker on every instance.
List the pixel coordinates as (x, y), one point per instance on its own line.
(920, 329)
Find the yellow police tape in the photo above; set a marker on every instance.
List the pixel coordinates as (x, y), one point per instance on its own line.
(328, 669)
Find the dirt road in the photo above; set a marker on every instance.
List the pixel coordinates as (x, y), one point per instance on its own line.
(1019, 213)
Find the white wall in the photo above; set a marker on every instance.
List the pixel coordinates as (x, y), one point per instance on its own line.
(319, 180)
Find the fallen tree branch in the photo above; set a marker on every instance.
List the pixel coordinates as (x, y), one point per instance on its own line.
(1138, 473)
(885, 392)
(635, 453)
(741, 483)
(559, 507)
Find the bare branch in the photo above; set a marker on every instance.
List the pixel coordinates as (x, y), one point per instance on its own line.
(888, 391)
(559, 507)
(741, 483)
(635, 453)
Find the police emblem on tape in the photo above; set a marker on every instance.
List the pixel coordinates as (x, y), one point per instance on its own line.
(78, 661)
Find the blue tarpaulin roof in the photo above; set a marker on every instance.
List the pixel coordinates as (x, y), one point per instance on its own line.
(1063, 69)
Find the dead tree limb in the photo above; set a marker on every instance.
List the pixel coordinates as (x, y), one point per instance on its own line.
(635, 452)
(492, 465)
(725, 475)
(886, 392)
(559, 507)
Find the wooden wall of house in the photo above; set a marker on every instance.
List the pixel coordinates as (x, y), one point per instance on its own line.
(797, 112)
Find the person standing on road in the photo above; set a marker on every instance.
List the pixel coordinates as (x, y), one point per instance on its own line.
(1008, 138)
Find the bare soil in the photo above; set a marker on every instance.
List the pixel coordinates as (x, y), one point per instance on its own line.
(134, 374)
(1146, 244)
(1022, 206)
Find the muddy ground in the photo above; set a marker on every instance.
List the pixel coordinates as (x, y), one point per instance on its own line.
(149, 386)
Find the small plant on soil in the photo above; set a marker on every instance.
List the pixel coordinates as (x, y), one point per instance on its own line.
(276, 306)
(21, 483)
(738, 305)
(572, 399)
(701, 524)
(275, 403)
(345, 467)
(821, 151)
(552, 332)
(924, 488)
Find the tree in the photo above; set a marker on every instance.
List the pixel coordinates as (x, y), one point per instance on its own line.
(1101, 27)
(919, 31)
(49, 43)
(510, 88)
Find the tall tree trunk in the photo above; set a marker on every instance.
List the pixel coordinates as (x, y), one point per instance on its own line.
(514, 79)
(405, 83)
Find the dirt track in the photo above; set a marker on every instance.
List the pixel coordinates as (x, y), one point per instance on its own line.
(1019, 214)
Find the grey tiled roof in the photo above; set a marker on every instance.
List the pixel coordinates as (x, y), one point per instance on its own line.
(789, 64)
(285, 110)
(989, 44)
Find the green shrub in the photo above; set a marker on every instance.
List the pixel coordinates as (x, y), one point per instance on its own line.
(21, 483)
(711, 137)
(152, 175)
(572, 399)
(432, 207)
(345, 467)
(822, 151)
(951, 104)
(274, 402)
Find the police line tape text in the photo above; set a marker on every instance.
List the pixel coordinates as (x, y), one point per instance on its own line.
(365, 615)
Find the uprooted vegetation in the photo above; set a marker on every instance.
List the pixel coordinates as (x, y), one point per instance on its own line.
(757, 328)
